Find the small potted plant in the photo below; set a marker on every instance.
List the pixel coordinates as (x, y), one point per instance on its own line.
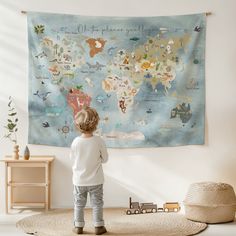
(12, 128)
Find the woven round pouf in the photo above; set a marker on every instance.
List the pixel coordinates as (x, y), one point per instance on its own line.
(210, 202)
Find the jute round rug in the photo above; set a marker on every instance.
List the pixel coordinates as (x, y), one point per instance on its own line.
(60, 223)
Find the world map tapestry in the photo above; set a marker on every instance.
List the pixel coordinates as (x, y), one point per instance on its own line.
(144, 75)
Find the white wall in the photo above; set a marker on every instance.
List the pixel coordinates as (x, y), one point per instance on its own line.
(157, 174)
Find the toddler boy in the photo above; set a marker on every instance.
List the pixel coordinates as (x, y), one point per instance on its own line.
(88, 153)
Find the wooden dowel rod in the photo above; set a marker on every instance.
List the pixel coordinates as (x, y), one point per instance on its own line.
(207, 13)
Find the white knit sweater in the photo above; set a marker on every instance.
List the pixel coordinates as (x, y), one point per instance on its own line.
(87, 155)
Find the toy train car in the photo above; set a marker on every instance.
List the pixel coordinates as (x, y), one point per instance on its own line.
(171, 206)
(138, 208)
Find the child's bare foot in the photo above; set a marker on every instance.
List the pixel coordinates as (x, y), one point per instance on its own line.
(100, 230)
(78, 230)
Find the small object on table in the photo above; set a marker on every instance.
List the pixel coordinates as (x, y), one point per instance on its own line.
(16, 152)
(26, 153)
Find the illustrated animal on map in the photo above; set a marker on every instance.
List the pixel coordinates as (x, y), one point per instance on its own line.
(126, 60)
(67, 57)
(53, 68)
(96, 45)
(96, 66)
(47, 41)
(41, 54)
(45, 124)
(134, 39)
(197, 28)
(122, 105)
(43, 96)
(76, 99)
(54, 60)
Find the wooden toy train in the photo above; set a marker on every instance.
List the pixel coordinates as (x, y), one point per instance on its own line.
(138, 208)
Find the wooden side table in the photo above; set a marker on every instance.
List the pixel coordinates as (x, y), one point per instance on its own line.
(11, 182)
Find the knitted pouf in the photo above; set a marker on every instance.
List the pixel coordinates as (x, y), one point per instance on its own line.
(210, 202)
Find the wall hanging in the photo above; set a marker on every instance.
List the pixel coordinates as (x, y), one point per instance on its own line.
(144, 75)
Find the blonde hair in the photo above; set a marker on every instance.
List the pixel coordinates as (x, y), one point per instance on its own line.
(87, 120)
